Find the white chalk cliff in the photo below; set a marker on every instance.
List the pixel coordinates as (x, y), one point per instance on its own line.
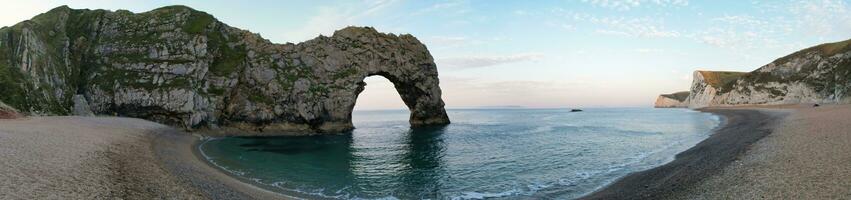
(673, 100)
(820, 74)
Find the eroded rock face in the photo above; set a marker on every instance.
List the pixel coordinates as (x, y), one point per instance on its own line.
(820, 74)
(182, 67)
(706, 85)
(81, 106)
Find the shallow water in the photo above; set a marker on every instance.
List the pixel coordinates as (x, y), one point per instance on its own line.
(509, 153)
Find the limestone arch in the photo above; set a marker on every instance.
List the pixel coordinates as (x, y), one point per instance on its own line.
(352, 54)
(422, 100)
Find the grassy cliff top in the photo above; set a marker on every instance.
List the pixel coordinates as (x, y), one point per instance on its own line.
(719, 78)
(679, 96)
(825, 50)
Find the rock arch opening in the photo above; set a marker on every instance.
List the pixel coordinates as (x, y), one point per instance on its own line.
(379, 94)
(419, 95)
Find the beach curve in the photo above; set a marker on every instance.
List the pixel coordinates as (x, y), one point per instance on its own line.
(740, 128)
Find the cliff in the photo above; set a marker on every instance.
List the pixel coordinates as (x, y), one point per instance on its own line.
(820, 74)
(182, 67)
(706, 86)
(673, 100)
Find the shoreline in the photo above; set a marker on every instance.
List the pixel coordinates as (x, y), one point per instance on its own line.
(84, 158)
(246, 184)
(178, 152)
(740, 128)
(723, 122)
(73, 157)
(755, 152)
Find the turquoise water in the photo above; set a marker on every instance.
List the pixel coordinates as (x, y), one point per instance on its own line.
(485, 153)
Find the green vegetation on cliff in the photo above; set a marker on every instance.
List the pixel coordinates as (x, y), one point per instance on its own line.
(825, 50)
(819, 74)
(180, 66)
(12, 84)
(679, 96)
(197, 22)
(830, 78)
(718, 79)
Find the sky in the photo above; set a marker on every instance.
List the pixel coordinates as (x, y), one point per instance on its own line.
(538, 54)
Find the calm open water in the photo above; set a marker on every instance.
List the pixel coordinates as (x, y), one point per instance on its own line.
(484, 153)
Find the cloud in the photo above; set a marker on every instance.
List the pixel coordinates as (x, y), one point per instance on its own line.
(823, 20)
(633, 27)
(644, 27)
(487, 61)
(823, 17)
(624, 5)
(456, 6)
(746, 20)
(435, 42)
(739, 40)
(448, 40)
(330, 19)
(569, 91)
(475, 92)
(611, 32)
(568, 27)
(649, 50)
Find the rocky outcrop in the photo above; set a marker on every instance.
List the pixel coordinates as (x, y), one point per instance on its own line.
(81, 106)
(182, 67)
(673, 100)
(820, 74)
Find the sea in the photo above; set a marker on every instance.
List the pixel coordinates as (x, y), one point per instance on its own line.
(482, 154)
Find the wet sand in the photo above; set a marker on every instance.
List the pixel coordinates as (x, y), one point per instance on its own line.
(179, 154)
(760, 152)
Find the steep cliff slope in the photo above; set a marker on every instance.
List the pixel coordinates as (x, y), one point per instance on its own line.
(706, 86)
(820, 74)
(183, 67)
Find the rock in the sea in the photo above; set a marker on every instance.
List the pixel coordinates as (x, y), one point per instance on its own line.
(819, 74)
(180, 66)
(81, 106)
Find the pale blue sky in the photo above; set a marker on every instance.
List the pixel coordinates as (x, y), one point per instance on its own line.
(582, 53)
